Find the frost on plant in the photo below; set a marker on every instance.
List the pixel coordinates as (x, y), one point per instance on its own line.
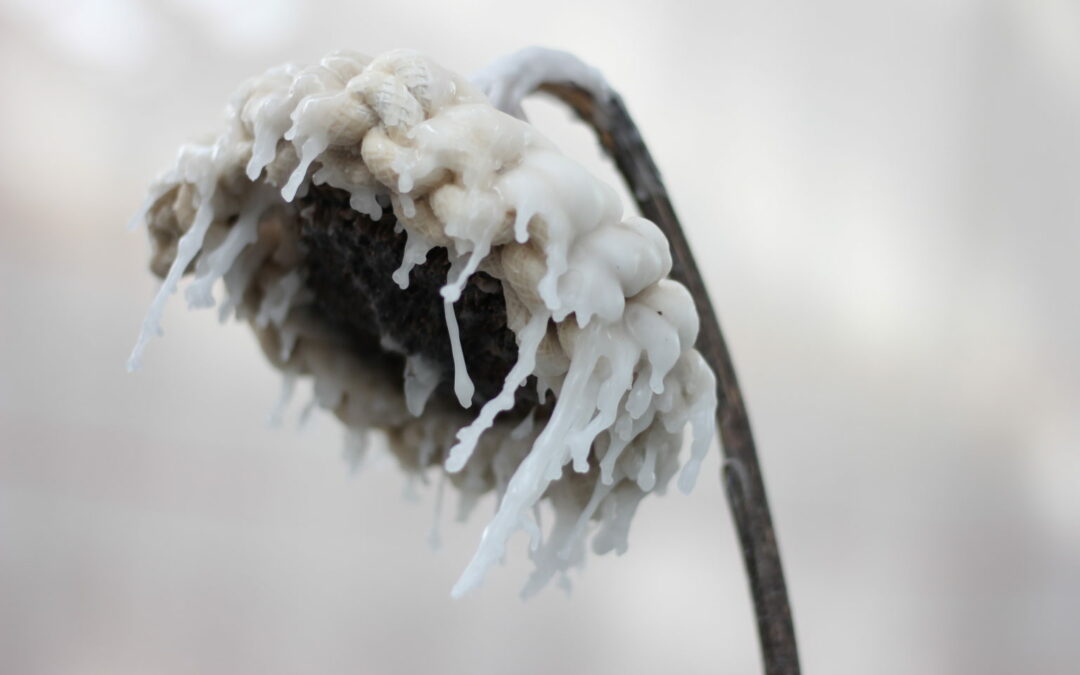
(601, 379)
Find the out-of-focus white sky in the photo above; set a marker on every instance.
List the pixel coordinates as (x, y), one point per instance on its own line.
(883, 197)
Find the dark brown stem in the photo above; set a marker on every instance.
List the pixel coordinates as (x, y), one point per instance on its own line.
(742, 479)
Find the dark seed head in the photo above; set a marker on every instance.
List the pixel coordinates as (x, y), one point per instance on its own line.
(350, 258)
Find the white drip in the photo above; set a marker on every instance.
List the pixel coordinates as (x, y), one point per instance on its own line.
(530, 338)
(702, 423)
(239, 277)
(540, 467)
(646, 478)
(288, 386)
(416, 250)
(186, 250)
(357, 443)
(463, 384)
(434, 538)
(615, 526)
(271, 119)
(362, 192)
(279, 299)
(627, 430)
(156, 192)
(214, 265)
(481, 248)
(309, 152)
(421, 378)
(288, 335)
(451, 292)
(600, 492)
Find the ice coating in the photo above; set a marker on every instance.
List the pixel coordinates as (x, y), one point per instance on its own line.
(595, 318)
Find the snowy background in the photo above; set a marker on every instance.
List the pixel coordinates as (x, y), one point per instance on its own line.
(884, 198)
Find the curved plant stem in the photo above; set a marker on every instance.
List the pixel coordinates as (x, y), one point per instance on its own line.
(619, 136)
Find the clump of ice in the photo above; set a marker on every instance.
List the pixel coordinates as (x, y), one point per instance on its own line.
(596, 320)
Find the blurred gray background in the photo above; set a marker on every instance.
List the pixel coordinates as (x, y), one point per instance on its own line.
(884, 197)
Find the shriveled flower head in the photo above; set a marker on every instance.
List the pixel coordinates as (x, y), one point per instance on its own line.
(446, 276)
